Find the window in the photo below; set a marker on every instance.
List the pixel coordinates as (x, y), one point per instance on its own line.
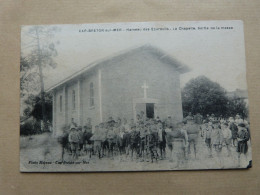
(61, 103)
(91, 92)
(73, 100)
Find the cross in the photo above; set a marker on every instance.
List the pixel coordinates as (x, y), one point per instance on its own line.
(145, 87)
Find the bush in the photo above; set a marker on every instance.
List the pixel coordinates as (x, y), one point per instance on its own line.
(30, 128)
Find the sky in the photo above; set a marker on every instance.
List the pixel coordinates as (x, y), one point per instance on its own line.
(215, 53)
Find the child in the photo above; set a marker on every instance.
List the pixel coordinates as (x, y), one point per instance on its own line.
(227, 135)
(216, 138)
(207, 133)
(74, 141)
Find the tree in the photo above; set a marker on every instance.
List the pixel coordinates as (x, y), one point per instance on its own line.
(237, 105)
(201, 95)
(41, 55)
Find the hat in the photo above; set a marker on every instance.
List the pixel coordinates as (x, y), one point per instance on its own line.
(189, 118)
(241, 125)
(72, 127)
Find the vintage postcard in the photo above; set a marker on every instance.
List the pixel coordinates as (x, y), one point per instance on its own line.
(134, 97)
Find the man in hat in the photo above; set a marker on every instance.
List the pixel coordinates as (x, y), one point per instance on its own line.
(144, 132)
(111, 122)
(97, 138)
(81, 139)
(189, 117)
(111, 140)
(243, 137)
(88, 143)
(212, 117)
(238, 119)
(162, 140)
(234, 130)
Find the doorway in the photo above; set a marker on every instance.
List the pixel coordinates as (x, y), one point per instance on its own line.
(150, 110)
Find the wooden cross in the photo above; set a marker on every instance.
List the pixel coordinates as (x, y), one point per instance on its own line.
(145, 87)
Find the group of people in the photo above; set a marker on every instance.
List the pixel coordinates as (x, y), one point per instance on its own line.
(146, 139)
(230, 132)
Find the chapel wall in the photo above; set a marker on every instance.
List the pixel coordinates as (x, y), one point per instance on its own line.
(123, 77)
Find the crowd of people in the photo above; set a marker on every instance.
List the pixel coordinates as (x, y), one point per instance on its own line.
(149, 139)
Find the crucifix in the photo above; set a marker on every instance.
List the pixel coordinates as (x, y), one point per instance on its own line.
(145, 87)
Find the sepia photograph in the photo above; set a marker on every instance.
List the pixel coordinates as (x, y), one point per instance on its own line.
(146, 96)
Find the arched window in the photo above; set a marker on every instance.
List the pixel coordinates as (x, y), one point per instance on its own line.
(73, 100)
(91, 93)
(61, 103)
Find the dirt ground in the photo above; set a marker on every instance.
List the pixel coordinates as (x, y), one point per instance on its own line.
(42, 153)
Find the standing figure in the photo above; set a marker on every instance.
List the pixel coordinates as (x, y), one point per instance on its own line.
(153, 142)
(97, 138)
(88, 143)
(217, 137)
(238, 120)
(234, 130)
(177, 141)
(111, 141)
(193, 130)
(162, 140)
(208, 133)
(81, 140)
(74, 142)
(227, 136)
(243, 137)
(143, 141)
(133, 141)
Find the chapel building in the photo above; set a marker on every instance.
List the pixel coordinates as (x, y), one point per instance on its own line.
(141, 79)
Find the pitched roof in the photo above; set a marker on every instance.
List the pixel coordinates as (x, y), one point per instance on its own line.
(163, 56)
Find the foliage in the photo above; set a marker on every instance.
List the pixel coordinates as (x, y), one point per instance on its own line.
(29, 77)
(38, 53)
(237, 105)
(34, 107)
(30, 127)
(201, 95)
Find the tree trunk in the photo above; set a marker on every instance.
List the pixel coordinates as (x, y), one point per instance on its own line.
(42, 83)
